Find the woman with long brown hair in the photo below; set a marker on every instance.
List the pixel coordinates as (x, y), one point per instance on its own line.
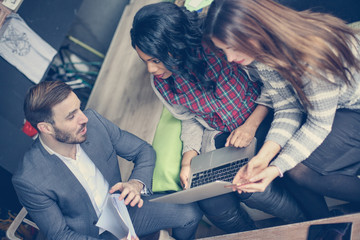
(310, 68)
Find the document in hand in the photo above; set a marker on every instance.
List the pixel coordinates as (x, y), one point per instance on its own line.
(115, 218)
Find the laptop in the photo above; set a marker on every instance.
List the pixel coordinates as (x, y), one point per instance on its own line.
(211, 172)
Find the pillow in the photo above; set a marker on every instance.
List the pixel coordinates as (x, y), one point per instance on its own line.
(168, 148)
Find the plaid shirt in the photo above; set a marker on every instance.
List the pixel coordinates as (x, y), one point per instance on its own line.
(226, 107)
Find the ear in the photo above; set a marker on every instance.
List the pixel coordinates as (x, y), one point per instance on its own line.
(45, 127)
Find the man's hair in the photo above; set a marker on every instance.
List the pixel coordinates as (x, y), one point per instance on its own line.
(41, 98)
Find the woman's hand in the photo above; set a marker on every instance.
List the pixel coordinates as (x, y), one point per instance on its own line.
(241, 136)
(185, 168)
(260, 182)
(256, 166)
(184, 176)
(251, 169)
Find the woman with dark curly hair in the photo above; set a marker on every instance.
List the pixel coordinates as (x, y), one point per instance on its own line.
(213, 99)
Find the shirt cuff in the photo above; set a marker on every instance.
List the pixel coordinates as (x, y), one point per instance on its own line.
(144, 190)
(281, 174)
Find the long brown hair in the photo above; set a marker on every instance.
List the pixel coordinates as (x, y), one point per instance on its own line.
(291, 42)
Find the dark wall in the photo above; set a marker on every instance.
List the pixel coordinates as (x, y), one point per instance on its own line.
(91, 21)
(95, 25)
(51, 20)
(348, 10)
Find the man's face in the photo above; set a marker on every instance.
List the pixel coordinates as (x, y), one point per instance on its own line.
(69, 121)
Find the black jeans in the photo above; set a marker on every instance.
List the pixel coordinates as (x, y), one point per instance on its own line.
(332, 169)
(225, 211)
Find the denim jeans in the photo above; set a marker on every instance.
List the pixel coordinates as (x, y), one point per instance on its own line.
(225, 211)
(154, 216)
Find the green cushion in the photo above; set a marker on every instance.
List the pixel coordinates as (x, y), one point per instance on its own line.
(168, 147)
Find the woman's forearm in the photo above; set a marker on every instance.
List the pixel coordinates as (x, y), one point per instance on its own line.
(187, 156)
(268, 151)
(259, 114)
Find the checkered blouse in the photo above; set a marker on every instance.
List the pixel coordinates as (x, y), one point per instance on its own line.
(227, 106)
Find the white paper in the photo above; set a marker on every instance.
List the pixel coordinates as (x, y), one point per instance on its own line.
(123, 212)
(115, 218)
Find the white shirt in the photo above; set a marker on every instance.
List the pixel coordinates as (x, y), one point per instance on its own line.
(87, 174)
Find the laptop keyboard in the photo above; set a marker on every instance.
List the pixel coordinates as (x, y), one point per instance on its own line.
(225, 173)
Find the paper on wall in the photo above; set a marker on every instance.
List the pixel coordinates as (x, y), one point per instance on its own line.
(12, 4)
(24, 49)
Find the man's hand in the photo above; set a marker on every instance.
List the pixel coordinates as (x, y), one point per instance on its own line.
(132, 238)
(130, 191)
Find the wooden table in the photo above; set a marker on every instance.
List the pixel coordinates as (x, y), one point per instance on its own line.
(296, 231)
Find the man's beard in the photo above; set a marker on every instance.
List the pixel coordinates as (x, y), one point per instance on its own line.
(66, 137)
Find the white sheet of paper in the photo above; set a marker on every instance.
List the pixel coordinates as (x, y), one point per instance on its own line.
(123, 212)
(115, 218)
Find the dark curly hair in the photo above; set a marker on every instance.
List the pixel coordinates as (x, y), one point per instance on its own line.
(173, 35)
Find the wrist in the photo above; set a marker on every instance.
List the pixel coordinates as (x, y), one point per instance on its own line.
(268, 151)
(251, 123)
(187, 157)
(279, 171)
(138, 185)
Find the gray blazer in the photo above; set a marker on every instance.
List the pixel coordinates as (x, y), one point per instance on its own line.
(53, 196)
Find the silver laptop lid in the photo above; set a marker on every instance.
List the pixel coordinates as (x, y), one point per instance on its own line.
(208, 161)
(221, 156)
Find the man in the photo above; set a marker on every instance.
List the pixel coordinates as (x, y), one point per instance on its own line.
(65, 177)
